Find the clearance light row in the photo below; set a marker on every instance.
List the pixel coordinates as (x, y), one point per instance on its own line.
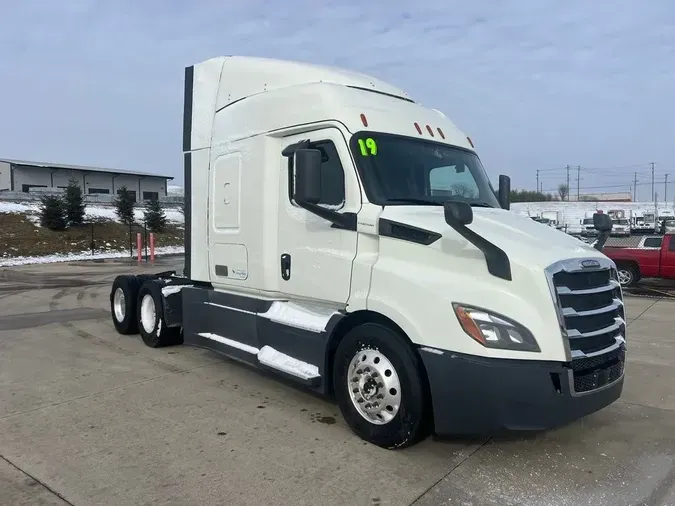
(364, 120)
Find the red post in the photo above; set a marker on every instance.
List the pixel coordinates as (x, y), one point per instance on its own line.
(152, 248)
(139, 246)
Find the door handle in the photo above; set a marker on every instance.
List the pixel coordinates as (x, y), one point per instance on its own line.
(286, 266)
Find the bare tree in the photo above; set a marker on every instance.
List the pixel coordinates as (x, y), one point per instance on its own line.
(563, 191)
(462, 190)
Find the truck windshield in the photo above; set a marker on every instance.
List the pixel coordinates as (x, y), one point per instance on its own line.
(399, 170)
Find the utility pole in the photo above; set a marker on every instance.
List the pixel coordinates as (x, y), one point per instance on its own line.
(653, 194)
(568, 183)
(578, 179)
(537, 179)
(665, 189)
(635, 187)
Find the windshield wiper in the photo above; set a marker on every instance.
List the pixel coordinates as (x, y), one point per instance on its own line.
(429, 202)
(410, 200)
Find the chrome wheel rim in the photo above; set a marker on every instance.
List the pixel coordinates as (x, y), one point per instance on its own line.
(374, 386)
(625, 276)
(148, 314)
(119, 305)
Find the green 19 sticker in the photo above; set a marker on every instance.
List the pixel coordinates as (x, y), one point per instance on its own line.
(368, 147)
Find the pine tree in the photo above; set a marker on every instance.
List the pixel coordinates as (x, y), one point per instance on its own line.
(74, 202)
(124, 206)
(154, 216)
(53, 213)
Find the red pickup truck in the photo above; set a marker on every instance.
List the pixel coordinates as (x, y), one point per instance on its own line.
(642, 257)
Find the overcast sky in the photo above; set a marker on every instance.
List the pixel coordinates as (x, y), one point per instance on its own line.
(537, 84)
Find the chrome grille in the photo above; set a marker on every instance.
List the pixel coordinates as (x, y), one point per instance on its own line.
(590, 305)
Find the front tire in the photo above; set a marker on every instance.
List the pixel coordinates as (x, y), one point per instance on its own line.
(379, 387)
(628, 275)
(150, 318)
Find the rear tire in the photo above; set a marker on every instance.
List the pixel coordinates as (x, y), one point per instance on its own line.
(123, 304)
(379, 387)
(150, 318)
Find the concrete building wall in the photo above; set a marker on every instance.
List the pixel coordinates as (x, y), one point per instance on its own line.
(93, 183)
(5, 177)
(61, 177)
(27, 177)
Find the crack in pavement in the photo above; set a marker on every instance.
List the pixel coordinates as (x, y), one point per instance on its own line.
(628, 324)
(36, 480)
(471, 454)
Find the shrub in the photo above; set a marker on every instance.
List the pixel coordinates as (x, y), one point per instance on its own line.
(154, 216)
(53, 213)
(74, 202)
(124, 206)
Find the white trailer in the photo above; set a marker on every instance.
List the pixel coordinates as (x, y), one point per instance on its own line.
(345, 237)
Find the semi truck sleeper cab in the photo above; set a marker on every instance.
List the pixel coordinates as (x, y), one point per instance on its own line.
(345, 237)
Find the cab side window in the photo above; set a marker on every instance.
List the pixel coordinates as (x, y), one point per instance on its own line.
(653, 242)
(332, 175)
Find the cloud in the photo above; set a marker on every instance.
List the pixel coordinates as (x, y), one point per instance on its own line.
(536, 83)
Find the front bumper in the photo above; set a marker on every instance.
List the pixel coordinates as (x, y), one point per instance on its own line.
(484, 396)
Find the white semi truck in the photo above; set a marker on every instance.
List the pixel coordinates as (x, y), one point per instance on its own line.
(347, 238)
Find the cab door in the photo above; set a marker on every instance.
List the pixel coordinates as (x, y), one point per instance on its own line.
(668, 257)
(315, 258)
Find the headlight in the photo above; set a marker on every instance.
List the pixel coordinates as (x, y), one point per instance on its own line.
(494, 331)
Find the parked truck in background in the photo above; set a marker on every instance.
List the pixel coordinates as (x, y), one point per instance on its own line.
(648, 257)
(554, 219)
(587, 226)
(621, 227)
(644, 223)
(345, 237)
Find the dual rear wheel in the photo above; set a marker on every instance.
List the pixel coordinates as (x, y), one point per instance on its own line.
(137, 306)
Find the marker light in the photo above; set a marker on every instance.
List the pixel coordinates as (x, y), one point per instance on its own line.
(431, 132)
(364, 120)
(419, 130)
(470, 142)
(440, 132)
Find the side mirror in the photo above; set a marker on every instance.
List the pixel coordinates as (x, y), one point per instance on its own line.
(602, 222)
(307, 168)
(458, 214)
(504, 196)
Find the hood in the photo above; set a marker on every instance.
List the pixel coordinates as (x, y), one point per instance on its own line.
(524, 240)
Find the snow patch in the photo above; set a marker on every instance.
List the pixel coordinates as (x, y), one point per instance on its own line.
(432, 350)
(313, 319)
(83, 255)
(277, 360)
(229, 342)
(173, 289)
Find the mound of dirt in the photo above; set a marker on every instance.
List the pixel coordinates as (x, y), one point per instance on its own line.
(22, 237)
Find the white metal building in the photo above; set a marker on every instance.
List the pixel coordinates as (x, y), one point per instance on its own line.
(23, 175)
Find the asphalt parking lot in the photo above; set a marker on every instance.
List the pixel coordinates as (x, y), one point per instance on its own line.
(89, 417)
